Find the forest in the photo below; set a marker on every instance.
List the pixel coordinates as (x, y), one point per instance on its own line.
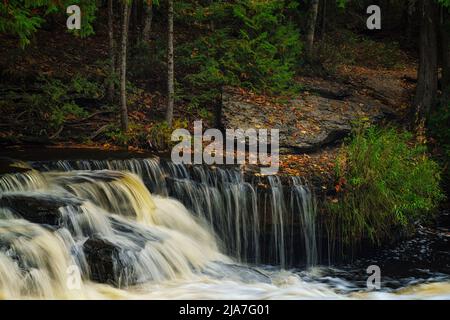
(361, 99)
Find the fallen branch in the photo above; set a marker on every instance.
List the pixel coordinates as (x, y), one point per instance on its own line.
(56, 134)
(99, 131)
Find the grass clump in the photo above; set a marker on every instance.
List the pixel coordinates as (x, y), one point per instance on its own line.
(386, 184)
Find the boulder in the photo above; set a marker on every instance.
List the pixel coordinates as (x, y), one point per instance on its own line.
(37, 207)
(102, 257)
(115, 260)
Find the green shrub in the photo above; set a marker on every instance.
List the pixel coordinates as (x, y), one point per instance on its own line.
(54, 103)
(386, 184)
(116, 135)
(160, 134)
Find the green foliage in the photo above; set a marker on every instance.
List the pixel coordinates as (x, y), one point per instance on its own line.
(244, 43)
(24, 17)
(386, 184)
(445, 3)
(116, 135)
(160, 134)
(55, 100)
(84, 87)
(54, 103)
(19, 21)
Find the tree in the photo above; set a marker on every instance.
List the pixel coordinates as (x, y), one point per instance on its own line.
(427, 79)
(123, 66)
(148, 17)
(112, 55)
(170, 66)
(445, 39)
(324, 19)
(311, 28)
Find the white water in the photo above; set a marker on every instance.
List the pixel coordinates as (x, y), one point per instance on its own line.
(157, 248)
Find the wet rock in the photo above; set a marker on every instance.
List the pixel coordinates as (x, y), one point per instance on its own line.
(36, 207)
(115, 262)
(102, 258)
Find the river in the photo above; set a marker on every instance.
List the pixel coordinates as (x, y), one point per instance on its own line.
(148, 229)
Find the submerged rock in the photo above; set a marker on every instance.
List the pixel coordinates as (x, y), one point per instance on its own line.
(237, 272)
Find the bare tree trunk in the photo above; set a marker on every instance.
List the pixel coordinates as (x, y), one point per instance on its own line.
(445, 38)
(311, 29)
(146, 32)
(123, 71)
(170, 71)
(324, 19)
(427, 78)
(411, 7)
(112, 54)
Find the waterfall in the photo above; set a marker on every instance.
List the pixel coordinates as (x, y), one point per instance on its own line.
(147, 228)
(256, 220)
(303, 202)
(104, 222)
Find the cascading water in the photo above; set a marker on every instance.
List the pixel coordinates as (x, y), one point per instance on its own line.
(151, 229)
(243, 214)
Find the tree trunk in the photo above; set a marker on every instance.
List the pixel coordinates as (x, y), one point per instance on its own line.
(112, 54)
(170, 71)
(445, 38)
(311, 28)
(324, 19)
(427, 78)
(410, 19)
(146, 32)
(123, 67)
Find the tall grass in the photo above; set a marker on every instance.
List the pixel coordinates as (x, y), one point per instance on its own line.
(386, 184)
